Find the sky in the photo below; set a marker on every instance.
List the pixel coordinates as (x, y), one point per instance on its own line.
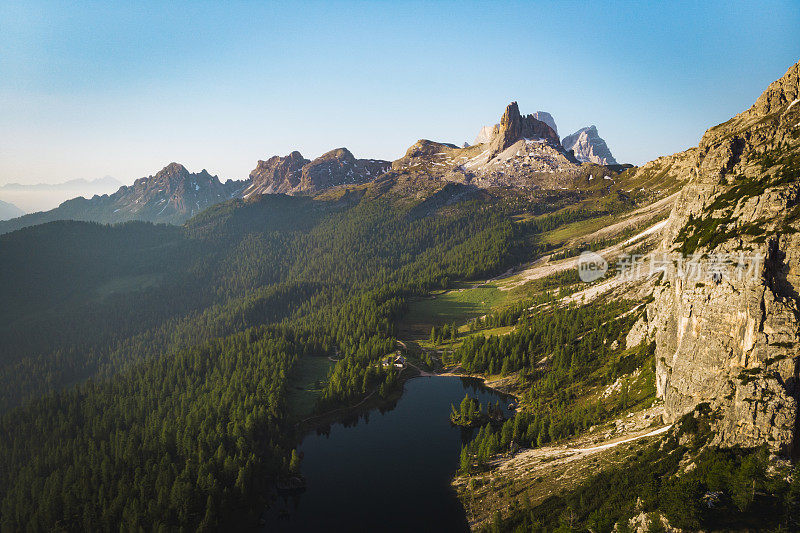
(124, 88)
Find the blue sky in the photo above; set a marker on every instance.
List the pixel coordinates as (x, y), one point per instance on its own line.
(122, 89)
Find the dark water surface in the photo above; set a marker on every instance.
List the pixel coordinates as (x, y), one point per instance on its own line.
(388, 471)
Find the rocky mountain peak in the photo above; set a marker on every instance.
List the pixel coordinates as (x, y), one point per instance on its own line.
(547, 118)
(589, 147)
(781, 98)
(339, 167)
(339, 154)
(487, 133)
(173, 170)
(278, 174)
(779, 93)
(293, 173)
(171, 195)
(513, 127)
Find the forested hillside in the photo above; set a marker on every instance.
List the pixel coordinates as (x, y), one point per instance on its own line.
(145, 369)
(186, 337)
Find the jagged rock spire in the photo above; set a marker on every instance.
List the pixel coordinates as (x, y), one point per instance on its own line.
(513, 127)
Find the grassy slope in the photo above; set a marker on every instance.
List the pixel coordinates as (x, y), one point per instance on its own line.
(305, 383)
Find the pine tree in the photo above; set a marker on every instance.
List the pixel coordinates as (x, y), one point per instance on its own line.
(464, 460)
(294, 462)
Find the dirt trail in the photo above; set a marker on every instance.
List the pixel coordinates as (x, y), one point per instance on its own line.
(542, 267)
(560, 455)
(609, 445)
(541, 472)
(636, 217)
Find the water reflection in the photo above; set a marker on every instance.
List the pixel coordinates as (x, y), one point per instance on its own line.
(386, 469)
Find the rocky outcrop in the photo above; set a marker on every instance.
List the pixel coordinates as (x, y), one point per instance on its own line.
(644, 523)
(520, 151)
(487, 133)
(276, 174)
(524, 164)
(589, 147)
(294, 174)
(514, 127)
(725, 320)
(339, 167)
(422, 151)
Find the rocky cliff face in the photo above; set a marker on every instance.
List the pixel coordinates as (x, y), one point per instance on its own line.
(486, 133)
(726, 320)
(514, 127)
(547, 118)
(589, 147)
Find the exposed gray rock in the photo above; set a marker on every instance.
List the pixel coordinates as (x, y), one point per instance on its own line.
(294, 174)
(732, 341)
(643, 523)
(485, 135)
(547, 118)
(339, 167)
(638, 333)
(276, 174)
(589, 147)
(520, 151)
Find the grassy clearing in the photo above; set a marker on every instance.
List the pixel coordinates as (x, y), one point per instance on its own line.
(463, 333)
(578, 229)
(305, 384)
(458, 305)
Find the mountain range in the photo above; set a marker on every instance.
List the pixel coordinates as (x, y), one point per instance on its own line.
(157, 376)
(70, 185)
(293, 174)
(8, 211)
(520, 151)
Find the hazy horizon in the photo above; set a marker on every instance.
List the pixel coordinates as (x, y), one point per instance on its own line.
(92, 90)
(41, 196)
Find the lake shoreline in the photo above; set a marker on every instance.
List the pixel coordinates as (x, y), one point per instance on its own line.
(500, 384)
(375, 454)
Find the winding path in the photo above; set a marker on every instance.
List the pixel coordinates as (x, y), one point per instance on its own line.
(624, 441)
